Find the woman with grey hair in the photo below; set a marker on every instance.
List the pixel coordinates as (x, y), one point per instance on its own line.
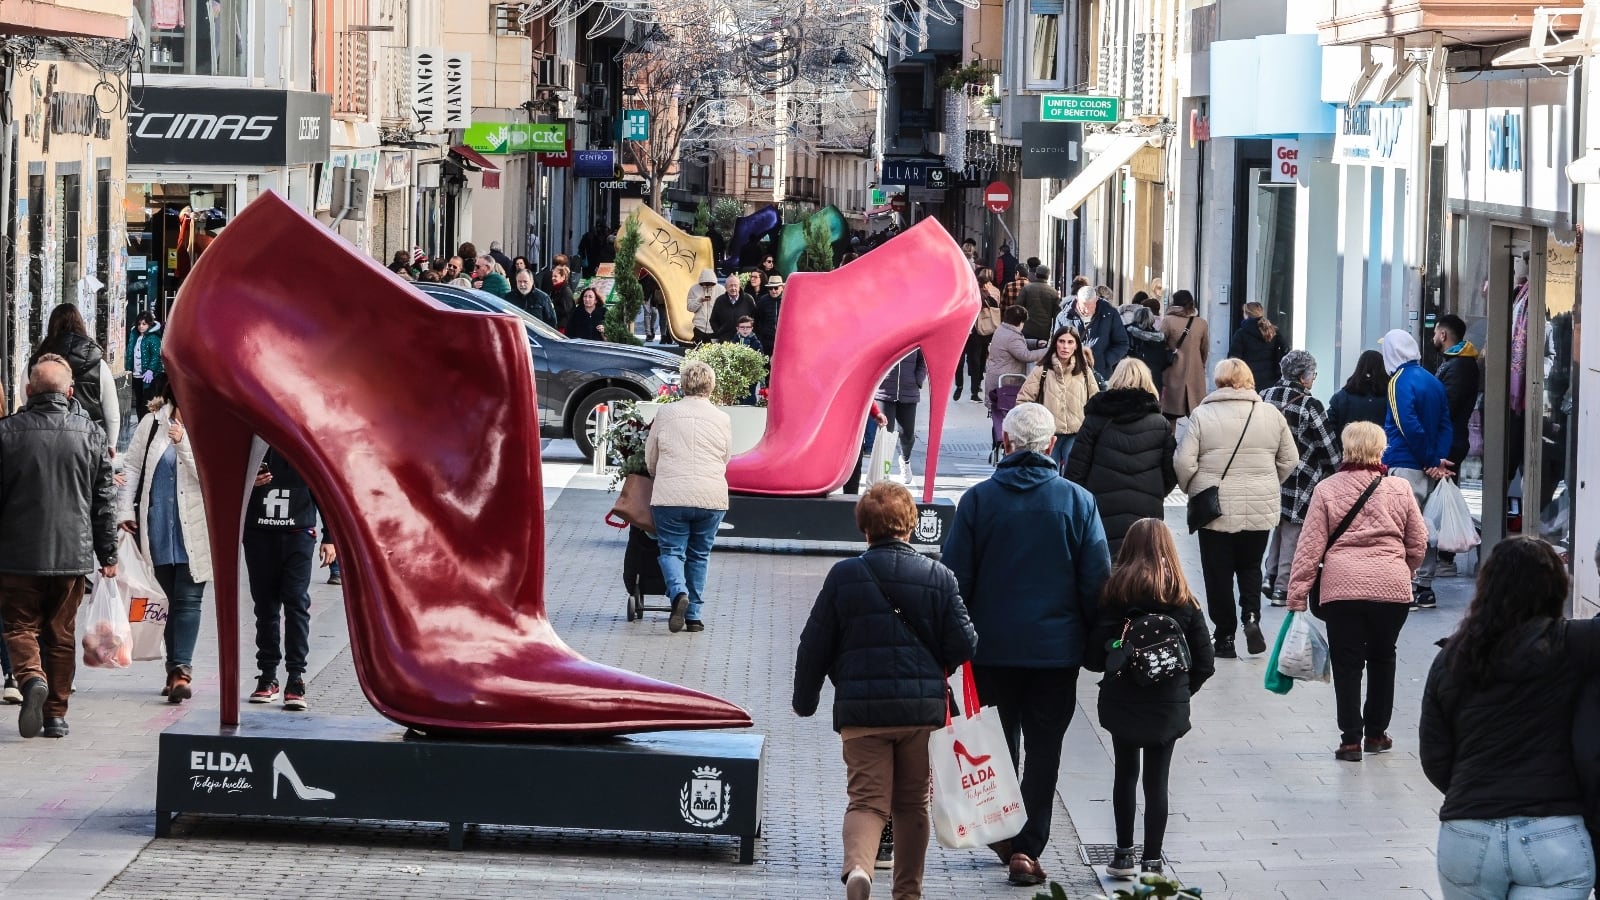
(687, 453)
(1319, 457)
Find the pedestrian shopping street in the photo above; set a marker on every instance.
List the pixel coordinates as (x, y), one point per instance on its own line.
(1260, 807)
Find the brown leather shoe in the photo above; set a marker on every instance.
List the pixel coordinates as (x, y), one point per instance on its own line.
(178, 686)
(1348, 753)
(1025, 870)
(1380, 744)
(1002, 849)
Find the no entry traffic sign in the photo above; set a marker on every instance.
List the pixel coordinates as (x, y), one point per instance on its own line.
(997, 197)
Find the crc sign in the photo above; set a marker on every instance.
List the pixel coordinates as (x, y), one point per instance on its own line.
(229, 126)
(1285, 161)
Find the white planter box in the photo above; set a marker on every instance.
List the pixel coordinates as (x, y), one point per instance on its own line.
(749, 422)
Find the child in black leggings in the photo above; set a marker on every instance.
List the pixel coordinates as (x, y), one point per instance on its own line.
(1145, 719)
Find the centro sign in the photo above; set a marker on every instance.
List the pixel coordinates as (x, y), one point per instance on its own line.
(229, 126)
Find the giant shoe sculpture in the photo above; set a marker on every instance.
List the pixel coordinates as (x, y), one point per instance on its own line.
(675, 259)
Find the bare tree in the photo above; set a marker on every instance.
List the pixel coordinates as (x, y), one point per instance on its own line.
(672, 80)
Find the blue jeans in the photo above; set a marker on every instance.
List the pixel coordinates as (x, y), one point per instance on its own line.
(685, 534)
(183, 613)
(1063, 449)
(1516, 859)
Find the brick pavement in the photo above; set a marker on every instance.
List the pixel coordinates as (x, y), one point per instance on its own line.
(1260, 808)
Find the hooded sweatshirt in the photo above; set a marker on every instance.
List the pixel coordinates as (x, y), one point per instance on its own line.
(1418, 420)
(1459, 375)
(1029, 554)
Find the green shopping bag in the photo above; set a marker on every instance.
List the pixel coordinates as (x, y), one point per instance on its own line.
(1275, 681)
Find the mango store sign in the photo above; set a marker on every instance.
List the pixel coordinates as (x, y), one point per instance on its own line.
(516, 137)
(1374, 134)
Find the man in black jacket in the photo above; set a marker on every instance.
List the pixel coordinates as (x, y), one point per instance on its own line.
(1042, 303)
(279, 534)
(728, 309)
(1459, 375)
(57, 517)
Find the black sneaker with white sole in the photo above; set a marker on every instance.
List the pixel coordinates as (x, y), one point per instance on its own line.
(294, 694)
(1423, 598)
(266, 689)
(1123, 863)
(885, 858)
(9, 692)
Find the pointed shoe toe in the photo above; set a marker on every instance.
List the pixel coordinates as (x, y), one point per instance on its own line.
(443, 558)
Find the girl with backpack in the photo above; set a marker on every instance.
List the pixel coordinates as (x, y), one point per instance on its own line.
(1153, 645)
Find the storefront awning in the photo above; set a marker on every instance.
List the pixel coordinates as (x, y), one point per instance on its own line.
(1116, 155)
(475, 161)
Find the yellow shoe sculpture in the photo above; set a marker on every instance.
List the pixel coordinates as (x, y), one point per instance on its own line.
(675, 259)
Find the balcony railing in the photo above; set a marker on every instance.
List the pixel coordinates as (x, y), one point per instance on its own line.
(352, 73)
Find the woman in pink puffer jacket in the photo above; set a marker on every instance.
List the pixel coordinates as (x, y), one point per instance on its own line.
(1366, 583)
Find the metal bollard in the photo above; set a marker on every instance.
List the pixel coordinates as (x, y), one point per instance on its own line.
(602, 449)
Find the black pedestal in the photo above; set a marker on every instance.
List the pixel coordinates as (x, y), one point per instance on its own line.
(685, 782)
(831, 519)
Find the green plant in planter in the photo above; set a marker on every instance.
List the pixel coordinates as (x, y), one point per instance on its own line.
(702, 219)
(630, 293)
(625, 439)
(971, 73)
(737, 367)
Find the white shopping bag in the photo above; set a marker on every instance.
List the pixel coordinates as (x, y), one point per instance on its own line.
(147, 603)
(976, 798)
(1304, 654)
(881, 459)
(1450, 525)
(107, 639)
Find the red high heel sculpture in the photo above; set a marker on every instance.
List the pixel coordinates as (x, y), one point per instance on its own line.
(843, 330)
(417, 428)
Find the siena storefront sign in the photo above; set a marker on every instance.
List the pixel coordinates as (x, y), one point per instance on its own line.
(519, 137)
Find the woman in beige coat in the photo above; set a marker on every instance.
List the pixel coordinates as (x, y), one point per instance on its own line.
(1063, 383)
(687, 453)
(1231, 548)
(1183, 384)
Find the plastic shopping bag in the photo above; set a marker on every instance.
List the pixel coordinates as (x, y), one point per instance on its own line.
(976, 798)
(1275, 681)
(147, 603)
(1303, 654)
(107, 639)
(1450, 525)
(882, 458)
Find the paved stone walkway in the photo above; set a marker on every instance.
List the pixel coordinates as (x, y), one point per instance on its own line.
(1260, 808)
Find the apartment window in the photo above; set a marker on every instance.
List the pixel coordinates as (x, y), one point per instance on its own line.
(1045, 35)
(760, 176)
(194, 37)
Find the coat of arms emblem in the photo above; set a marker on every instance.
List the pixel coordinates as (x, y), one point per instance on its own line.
(928, 526)
(704, 799)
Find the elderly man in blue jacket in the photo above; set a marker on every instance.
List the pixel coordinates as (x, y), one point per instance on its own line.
(1418, 425)
(1029, 553)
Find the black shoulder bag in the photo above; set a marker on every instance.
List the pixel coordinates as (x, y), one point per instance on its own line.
(1206, 506)
(1314, 598)
(949, 696)
(1172, 355)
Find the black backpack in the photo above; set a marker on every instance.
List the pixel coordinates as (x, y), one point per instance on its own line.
(1152, 650)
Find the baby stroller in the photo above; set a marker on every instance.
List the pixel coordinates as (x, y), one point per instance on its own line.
(641, 573)
(1001, 401)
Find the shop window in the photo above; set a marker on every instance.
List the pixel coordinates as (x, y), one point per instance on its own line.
(69, 213)
(36, 260)
(179, 223)
(102, 254)
(194, 37)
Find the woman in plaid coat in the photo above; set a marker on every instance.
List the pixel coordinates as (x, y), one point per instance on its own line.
(1319, 457)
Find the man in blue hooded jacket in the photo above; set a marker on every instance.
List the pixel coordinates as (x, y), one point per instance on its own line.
(1029, 553)
(1418, 426)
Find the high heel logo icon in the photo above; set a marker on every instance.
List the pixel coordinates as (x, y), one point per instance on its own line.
(961, 754)
(281, 767)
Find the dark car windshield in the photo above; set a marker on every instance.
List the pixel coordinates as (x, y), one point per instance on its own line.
(486, 300)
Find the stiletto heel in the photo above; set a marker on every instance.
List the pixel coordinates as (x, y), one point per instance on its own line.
(282, 768)
(416, 427)
(970, 760)
(822, 386)
(223, 450)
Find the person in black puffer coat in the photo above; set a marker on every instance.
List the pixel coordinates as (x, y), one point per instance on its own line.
(1124, 451)
(885, 629)
(94, 388)
(1260, 344)
(1364, 397)
(1145, 720)
(1512, 670)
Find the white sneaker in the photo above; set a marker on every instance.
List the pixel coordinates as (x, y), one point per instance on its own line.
(10, 694)
(858, 886)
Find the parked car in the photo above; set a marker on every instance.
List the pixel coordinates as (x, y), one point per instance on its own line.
(572, 377)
